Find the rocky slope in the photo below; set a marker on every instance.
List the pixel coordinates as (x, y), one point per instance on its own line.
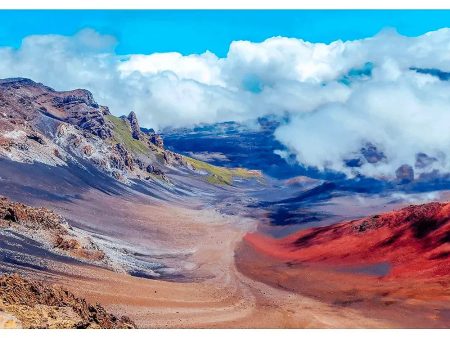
(39, 124)
(31, 304)
(50, 229)
(411, 242)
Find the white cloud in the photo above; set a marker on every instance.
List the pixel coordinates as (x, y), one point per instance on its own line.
(399, 111)
(399, 118)
(204, 68)
(283, 59)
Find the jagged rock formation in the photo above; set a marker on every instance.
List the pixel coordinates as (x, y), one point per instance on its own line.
(31, 304)
(135, 129)
(52, 230)
(173, 158)
(39, 124)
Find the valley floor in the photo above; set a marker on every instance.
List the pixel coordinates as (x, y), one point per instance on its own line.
(206, 276)
(222, 297)
(217, 293)
(97, 205)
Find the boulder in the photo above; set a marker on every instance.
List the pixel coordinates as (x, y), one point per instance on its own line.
(405, 174)
(157, 140)
(372, 154)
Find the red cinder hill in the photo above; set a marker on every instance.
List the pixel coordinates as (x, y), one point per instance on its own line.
(415, 241)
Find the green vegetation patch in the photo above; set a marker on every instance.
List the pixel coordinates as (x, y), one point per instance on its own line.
(221, 175)
(122, 134)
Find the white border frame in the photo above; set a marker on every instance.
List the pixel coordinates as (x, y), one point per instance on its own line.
(223, 4)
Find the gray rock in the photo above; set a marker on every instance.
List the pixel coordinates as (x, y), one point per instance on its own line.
(157, 140)
(372, 154)
(135, 129)
(405, 174)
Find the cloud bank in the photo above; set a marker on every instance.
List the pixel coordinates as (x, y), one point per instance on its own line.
(358, 107)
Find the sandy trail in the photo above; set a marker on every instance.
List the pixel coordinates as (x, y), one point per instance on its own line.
(221, 297)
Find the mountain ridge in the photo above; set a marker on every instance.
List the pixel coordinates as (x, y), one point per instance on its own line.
(40, 124)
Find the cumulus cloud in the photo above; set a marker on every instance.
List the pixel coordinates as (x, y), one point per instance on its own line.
(356, 107)
(204, 68)
(399, 118)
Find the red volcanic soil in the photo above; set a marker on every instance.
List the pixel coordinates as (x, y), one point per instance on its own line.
(414, 241)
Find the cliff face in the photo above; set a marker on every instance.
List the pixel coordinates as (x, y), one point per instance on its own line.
(414, 241)
(39, 124)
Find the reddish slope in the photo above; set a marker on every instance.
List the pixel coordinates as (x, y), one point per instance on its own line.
(414, 240)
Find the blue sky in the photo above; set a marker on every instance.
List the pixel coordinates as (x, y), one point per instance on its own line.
(194, 31)
(319, 86)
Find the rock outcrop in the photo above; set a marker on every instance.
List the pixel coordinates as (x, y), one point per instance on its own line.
(405, 174)
(50, 228)
(39, 124)
(32, 304)
(157, 140)
(135, 129)
(372, 154)
(69, 128)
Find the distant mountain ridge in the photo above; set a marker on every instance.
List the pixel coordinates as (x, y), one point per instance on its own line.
(60, 128)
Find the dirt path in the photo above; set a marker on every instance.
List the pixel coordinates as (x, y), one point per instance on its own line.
(226, 298)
